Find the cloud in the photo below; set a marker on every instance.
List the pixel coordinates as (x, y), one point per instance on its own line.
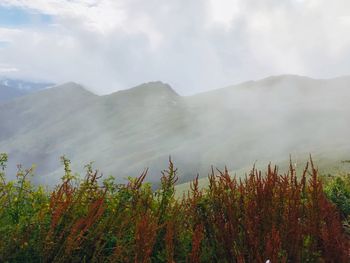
(193, 45)
(5, 69)
(9, 34)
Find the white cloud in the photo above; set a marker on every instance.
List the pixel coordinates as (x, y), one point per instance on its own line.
(9, 34)
(194, 45)
(5, 69)
(224, 11)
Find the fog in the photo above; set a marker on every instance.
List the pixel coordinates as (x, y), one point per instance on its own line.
(131, 130)
(197, 48)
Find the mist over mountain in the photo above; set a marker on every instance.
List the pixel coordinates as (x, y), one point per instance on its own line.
(13, 88)
(130, 130)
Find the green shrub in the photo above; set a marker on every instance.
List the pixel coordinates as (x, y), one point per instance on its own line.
(338, 191)
(283, 218)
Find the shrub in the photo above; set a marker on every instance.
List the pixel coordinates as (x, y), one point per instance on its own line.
(283, 218)
(338, 191)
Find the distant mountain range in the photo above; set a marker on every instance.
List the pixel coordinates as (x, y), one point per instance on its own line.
(129, 130)
(13, 88)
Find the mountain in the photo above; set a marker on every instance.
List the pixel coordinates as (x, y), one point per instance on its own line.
(130, 130)
(13, 88)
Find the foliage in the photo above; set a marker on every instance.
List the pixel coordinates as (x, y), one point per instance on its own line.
(278, 217)
(338, 191)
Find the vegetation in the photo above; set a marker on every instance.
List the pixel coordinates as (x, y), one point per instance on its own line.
(283, 218)
(337, 189)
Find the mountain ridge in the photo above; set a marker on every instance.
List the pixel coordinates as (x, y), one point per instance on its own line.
(127, 131)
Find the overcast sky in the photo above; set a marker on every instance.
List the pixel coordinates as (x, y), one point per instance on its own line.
(194, 45)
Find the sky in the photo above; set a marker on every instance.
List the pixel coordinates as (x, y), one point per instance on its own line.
(194, 45)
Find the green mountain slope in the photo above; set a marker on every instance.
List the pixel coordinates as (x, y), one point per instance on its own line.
(129, 130)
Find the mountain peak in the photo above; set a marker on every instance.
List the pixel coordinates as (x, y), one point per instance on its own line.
(150, 94)
(70, 88)
(150, 89)
(285, 77)
(154, 87)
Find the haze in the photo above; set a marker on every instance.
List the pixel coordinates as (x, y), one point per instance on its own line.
(109, 45)
(207, 82)
(127, 131)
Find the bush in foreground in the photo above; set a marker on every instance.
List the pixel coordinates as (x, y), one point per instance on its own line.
(278, 217)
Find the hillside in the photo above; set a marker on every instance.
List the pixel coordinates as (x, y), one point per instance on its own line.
(129, 130)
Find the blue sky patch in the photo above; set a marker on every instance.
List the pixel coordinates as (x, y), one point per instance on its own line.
(19, 17)
(3, 44)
